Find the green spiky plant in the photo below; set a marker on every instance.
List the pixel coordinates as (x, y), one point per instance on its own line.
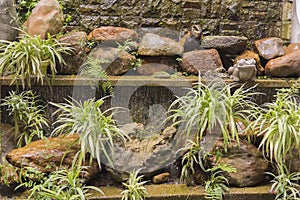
(135, 189)
(31, 57)
(63, 184)
(214, 105)
(28, 116)
(217, 185)
(97, 130)
(285, 185)
(92, 68)
(278, 123)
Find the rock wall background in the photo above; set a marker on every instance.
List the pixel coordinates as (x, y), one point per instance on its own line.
(254, 19)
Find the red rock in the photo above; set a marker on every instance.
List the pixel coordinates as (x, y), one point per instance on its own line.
(269, 48)
(201, 60)
(112, 34)
(46, 17)
(285, 66)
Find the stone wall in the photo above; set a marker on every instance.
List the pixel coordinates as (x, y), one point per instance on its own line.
(254, 19)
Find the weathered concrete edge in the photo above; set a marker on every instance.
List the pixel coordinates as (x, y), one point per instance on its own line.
(180, 81)
(183, 192)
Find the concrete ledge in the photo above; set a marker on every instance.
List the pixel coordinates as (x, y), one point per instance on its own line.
(183, 192)
(180, 81)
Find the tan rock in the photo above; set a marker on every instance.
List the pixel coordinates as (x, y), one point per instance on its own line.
(161, 178)
(269, 48)
(46, 17)
(285, 66)
(201, 60)
(291, 48)
(155, 45)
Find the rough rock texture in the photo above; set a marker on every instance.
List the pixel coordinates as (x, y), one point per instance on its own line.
(74, 60)
(117, 62)
(269, 48)
(225, 44)
(291, 48)
(46, 17)
(247, 55)
(285, 66)
(110, 35)
(8, 15)
(45, 155)
(243, 70)
(151, 65)
(147, 151)
(155, 45)
(247, 160)
(9, 144)
(201, 60)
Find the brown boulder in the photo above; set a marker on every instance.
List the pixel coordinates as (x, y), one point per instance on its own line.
(156, 45)
(8, 17)
(151, 65)
(117, 62)
(201, 60)
(74, 60)
(285, 66)
(161, 178)
(111, 35)
(291, 48)
(46, 17)
(46, 155)
(247, 160)
(269, 48)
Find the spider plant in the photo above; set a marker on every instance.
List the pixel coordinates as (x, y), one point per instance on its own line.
(278, 122)
(208, 106)
(63, 184)
(97, 130)
(216, 186)
(135, 189)
(285, 185)
(27, 114)
(92, 68)
(31, 57)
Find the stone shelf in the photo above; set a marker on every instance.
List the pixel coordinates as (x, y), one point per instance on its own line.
(180, 81)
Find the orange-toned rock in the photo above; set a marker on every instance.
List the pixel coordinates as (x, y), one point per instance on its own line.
(161, 178)
(285, 66)
(46, 17)
(291, 48)
(45, 155)
(201, 60)
(111, 34)
(247, 55)
(269, 48)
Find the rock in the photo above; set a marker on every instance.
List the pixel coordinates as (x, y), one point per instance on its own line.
(46, 17)
(201, 60)
(150, 153)
(152, 68)
(118, 62)
(293, 160)
(191, 39)
(269, 48)
(285, 66)
(110, 36)
(247, 55)
(291, 48)
(74, 60)
(9, 144)
(155, 45)
(49, 155)
(225, 44)
(152, 64)
(243, 70)
(8, 16)
(247, 160)
(161, 178)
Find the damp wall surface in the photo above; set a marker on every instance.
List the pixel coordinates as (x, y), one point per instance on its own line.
(254, 19)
